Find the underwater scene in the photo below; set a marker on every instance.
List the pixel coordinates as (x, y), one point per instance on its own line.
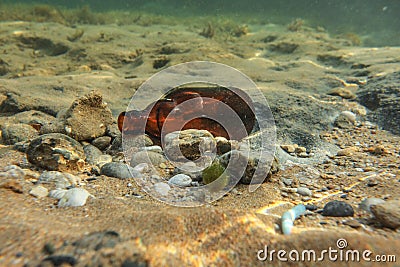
(200, 133)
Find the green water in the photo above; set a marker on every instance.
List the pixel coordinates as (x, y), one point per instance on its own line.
(379, 20)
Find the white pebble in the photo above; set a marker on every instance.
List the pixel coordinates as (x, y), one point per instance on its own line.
(349, 115)
(74, 197)
(180, 180)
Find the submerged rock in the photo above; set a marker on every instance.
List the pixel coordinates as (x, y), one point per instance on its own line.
(119, 170)
(59, 179)
(74, 197)
(56, 152)
(182, 180)
(14, 133)
(388, 213)
(337, 208)
(190, 144)
(87, 118)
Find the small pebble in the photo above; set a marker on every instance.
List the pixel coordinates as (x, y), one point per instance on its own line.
(346, 151)
(337, 208)
(39, 191)
(162, 188)
(180, 180)
(304, 191)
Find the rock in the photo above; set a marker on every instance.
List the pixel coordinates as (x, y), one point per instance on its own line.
(381, 95)
(87, 118)
(286, 181)
(346, 151)
(149, 157)
(74, 197)
(190, 168)
(59, 179)
(289, 148)
(113, 131)
(103, 159)
(162, 188)
(337, 208)
(342, 92)
(102, 142)
(223, 145)
(368, 202)
(92, 154)
(13, 171)
(215, 171)
(345, 120)
(182, 180)
(14, 133)
(304, 191)
(388, 213)
(249, 162)
(32, 117)
(39, 191)
(56, 152)
(190, 144)
(119, 170)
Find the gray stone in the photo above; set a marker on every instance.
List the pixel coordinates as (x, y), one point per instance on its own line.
(14, 133)
(119, 170)
(39, 191)
(59, 179)
(102, 142)
(149, 157)
(337, 208)
(190, 144)
(74, 197)
(180, 180)
(162, 188)
(304, 191)
(92, 154)
(388, 213)
(56, 152)
(368, 202)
